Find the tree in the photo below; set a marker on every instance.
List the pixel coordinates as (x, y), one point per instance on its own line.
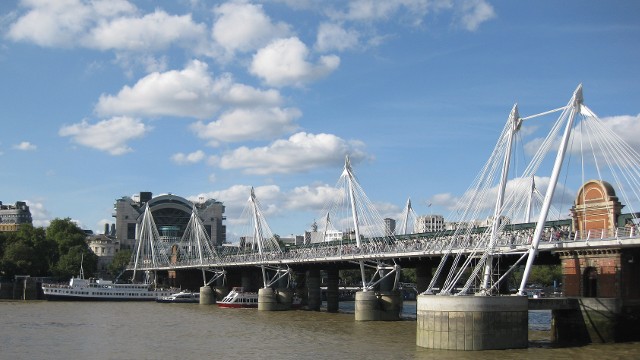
(27, 251)
(66, 234)
(120, 262)
(72, 247)
(77, 256)
(543, 275)
(408, 275)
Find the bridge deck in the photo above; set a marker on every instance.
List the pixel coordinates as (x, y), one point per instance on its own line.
(409, 247)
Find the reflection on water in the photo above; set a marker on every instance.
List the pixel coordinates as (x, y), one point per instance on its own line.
(104, 330)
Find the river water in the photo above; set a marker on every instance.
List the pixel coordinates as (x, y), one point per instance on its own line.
(112, 330)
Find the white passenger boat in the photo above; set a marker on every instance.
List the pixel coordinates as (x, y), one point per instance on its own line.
(239, 298)
(181, 297)
(102, 290)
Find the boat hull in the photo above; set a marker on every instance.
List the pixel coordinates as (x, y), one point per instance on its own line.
(94, 298)
(237, 306)
(180, 298)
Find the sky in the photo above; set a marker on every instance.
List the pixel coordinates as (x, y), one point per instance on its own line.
(107, 98)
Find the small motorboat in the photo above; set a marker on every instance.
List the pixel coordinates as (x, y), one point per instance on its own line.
(181, 297)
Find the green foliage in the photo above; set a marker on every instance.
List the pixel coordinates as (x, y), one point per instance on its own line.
(120, 262)
(27, 252)
(58, 250)
(69, 263)
(543, 275)
(66, 234)
(350, 277)
(408, 275)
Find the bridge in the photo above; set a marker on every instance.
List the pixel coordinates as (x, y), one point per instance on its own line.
(471, 258)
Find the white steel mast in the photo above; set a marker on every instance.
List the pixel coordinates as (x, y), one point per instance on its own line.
(515, 122)
(576, 102)
(354, 214)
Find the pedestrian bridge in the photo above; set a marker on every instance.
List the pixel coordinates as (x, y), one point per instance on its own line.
(507, 201)
(413, 246)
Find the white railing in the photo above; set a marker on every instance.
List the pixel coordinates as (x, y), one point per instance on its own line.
(404, 247)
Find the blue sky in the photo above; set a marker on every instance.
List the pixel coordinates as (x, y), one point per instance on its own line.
(104, 99)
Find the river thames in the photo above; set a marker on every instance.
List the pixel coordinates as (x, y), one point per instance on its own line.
(148, 330)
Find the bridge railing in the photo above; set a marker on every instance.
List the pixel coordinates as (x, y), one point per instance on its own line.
(507, 241)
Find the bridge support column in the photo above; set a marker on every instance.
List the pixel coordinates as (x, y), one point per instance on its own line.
(246, 280)
(314, 299)
(424, 274)
(378, 306)
(595, 320)
(274, 300)
(333, 291)
(301, 287)
(207, 296)
(472, 322)
(267, 299)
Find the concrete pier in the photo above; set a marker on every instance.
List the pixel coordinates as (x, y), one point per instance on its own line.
(207, 296)
(314, 298)
(472, 322)
(267, 300)
(595, 320)
(274, 300)
(332, 290)
(378, 306)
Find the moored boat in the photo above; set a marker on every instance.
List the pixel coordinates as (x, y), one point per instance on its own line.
(239, 298)
(80, 289)
(181, 297)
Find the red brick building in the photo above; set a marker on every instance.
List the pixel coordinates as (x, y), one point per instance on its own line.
(604, 273)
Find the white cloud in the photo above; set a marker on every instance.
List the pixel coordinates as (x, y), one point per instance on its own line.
(191, 92)
(274, 200)
(107, 135)
(235, 199)
(284, 62)
(191, 158)
(592, 137)
(469, 13)
(335, 37)
(518, 188)
(63, 23)
(311, 198)
(25, 146)
(103, 25)
(39, 214)
(475, 12)
(627, 127)
(151, 32)
(372, 10)
(301, 152)
(244, 27)
(248, 124)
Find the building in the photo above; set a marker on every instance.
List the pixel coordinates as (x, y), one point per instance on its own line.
(293, 240)
(605, 273)
(315, 236)
(429, 223)
(105, 247)
(389, 226)
(171, 214)
(14, 216)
